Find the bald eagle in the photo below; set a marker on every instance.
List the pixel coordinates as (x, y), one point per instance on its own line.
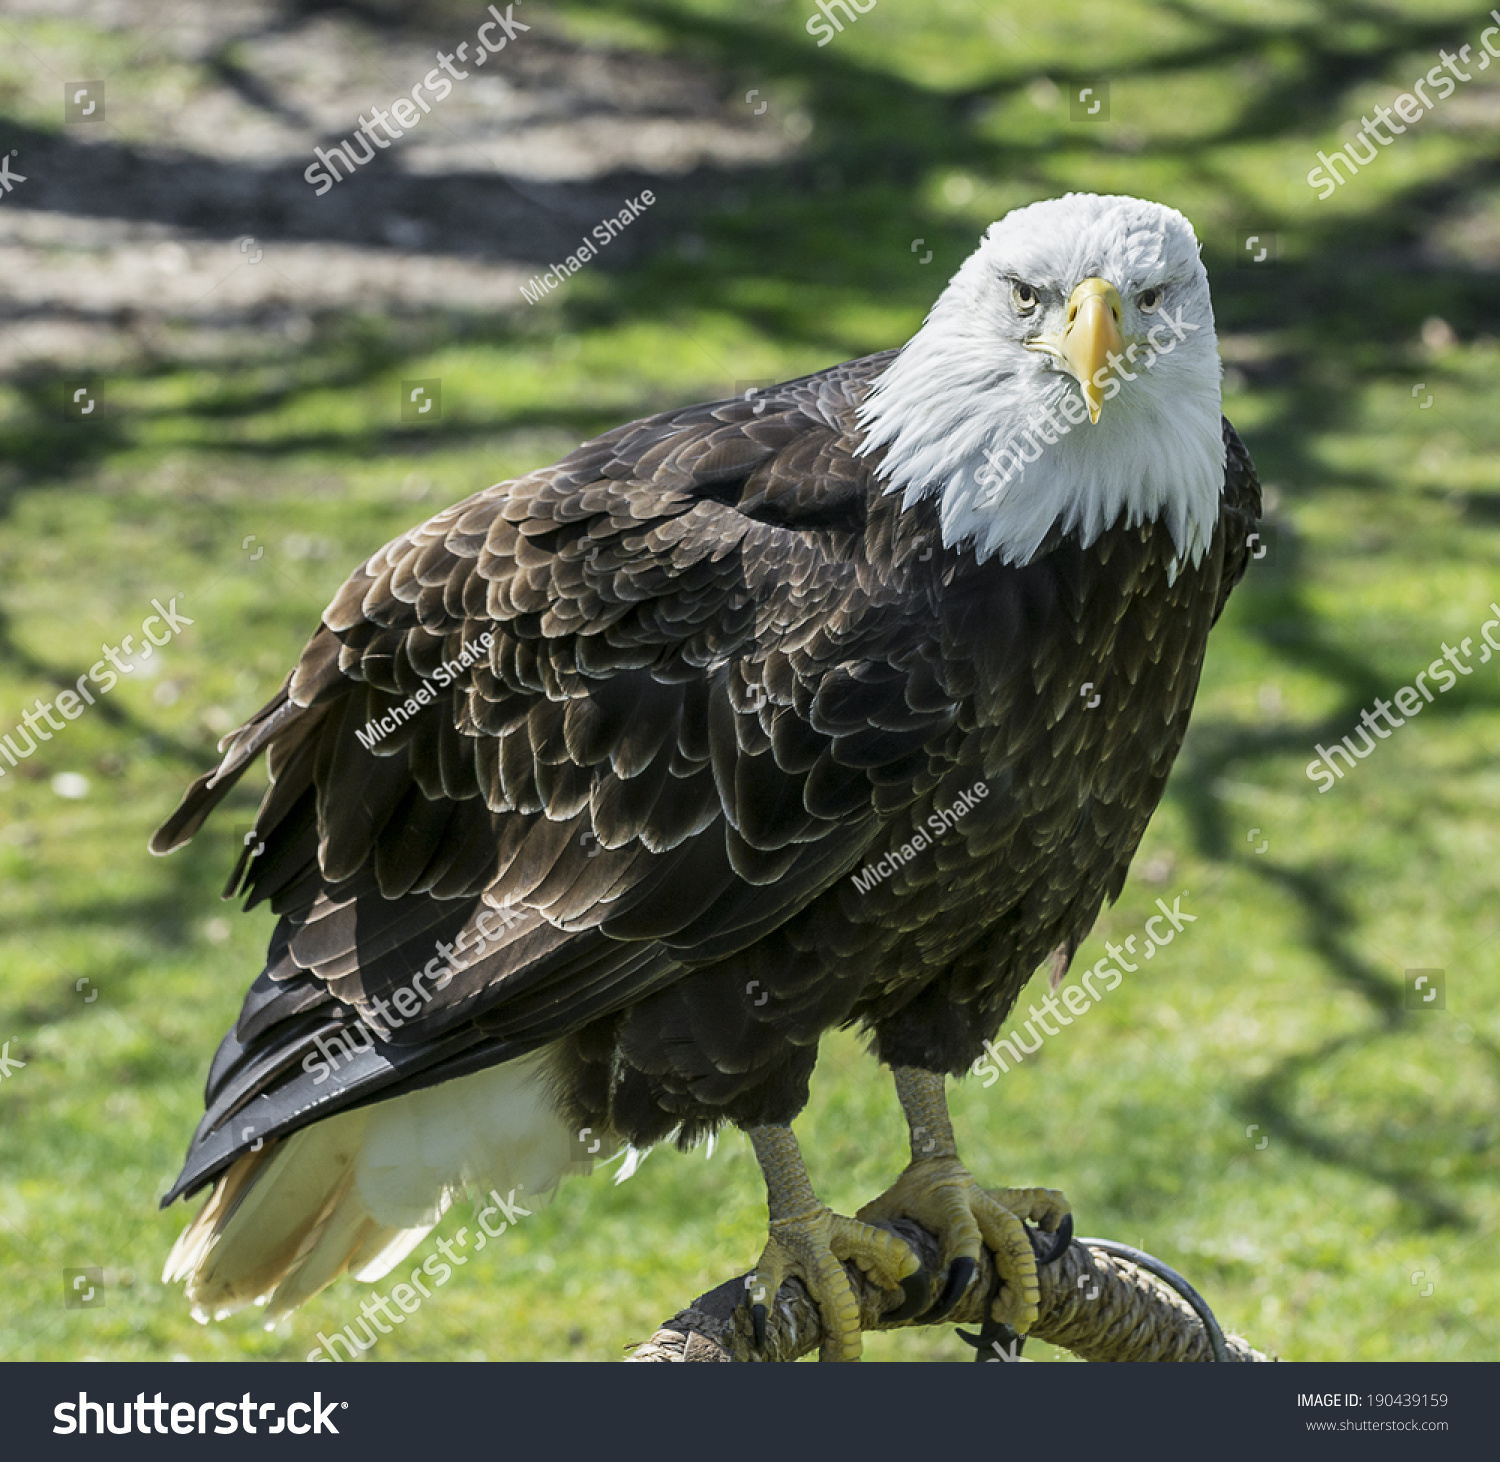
(599, 797)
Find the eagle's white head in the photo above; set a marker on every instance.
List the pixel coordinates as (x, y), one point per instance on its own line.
(1068, 374)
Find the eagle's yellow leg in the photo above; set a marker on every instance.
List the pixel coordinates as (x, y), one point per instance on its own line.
(937, 1191)
(808, 1241)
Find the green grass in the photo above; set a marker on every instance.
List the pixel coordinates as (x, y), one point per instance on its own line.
(1256, 1105)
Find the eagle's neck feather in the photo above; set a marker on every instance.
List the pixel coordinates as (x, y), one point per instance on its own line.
(945, 414)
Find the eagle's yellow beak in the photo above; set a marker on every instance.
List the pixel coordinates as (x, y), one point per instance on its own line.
(1091, 333)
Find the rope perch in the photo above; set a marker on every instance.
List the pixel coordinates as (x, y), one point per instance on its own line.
(1098, 1305)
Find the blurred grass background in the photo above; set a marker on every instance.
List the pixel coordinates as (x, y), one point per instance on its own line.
(1257, 1106)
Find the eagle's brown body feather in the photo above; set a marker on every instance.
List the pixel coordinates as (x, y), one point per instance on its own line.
(727, 672)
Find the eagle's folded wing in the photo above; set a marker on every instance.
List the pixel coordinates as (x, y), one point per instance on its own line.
(696, 707)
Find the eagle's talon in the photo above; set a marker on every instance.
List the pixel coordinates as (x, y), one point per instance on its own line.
(960, 1276)
(941, 1195)
(813, 1247)
(758, 1325)
(917, 1290)
(1064, 1238)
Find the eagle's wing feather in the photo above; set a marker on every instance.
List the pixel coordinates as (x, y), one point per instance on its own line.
(697, 707)
(1241, 515)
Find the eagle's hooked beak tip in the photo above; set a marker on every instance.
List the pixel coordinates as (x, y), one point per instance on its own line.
(1090, 337)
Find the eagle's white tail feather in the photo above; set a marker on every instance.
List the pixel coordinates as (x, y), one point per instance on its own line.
(359, 1190)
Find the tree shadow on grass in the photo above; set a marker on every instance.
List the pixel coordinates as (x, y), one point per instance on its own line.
(787, 247)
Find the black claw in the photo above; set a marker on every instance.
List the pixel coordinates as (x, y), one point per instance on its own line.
(960, 1276)
(758, 1325)
(993, 1336)
(1060, 1247)
(917, 1290)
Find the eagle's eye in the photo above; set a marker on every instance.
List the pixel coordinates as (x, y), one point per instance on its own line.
(1149, 301)
(1023, 297)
